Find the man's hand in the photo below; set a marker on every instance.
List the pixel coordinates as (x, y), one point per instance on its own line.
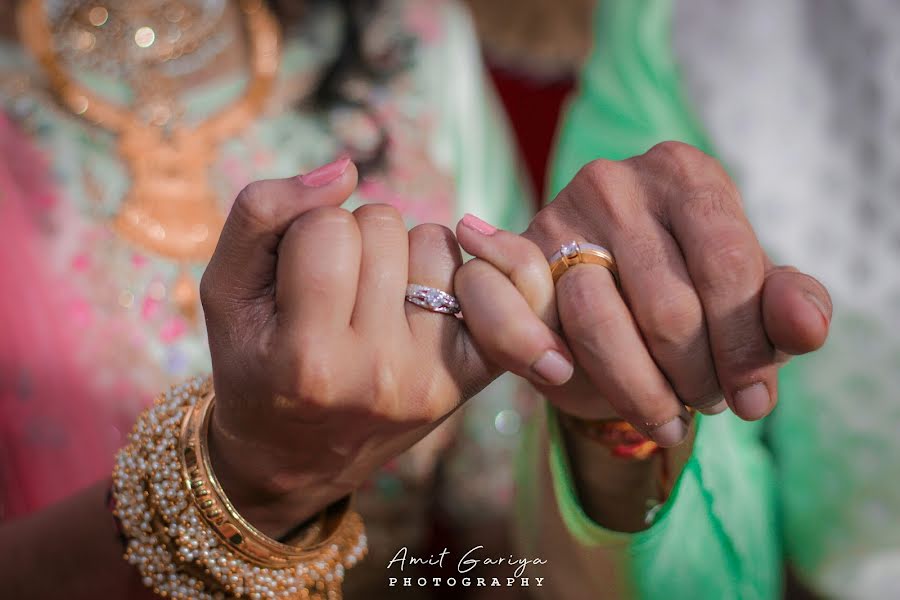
(702, 315)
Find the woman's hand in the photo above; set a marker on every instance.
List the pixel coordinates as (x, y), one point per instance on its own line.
(702, 314)
(322, 371)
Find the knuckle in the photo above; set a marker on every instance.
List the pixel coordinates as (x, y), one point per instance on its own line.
(544, 224)
(702, 180)
(252, 204)
(314, 379)
(611, 185)
(677, 154)
(335, 222)
(673, 323)
(726, 266)
(648, 253)
(386, 386)
(600, 172)
(529, 256)
(683, 159)
(325, 215)
(267, 350)
(438, 243)
(377, 212)
(532, 254)
(602, 189)
(705, 200)
(741, 351)
(431, 233)
(430, 407)
(471, 276)
(528, 262)
(207, 291)
(221, 307)
(526, 274)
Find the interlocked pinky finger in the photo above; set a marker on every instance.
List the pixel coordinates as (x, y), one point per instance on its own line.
(517, 258)
(505, 328)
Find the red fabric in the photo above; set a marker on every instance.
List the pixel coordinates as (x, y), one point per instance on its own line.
(533, 108)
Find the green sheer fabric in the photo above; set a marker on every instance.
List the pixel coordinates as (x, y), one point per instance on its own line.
(718, 534)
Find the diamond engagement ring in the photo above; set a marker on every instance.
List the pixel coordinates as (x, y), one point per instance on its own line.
(432, 299)
(575, 253)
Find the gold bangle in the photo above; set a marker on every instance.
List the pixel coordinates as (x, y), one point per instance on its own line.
(223, 517)
(171, 543)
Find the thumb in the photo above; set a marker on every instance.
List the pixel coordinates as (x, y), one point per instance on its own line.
(242, 268)
(796, 311)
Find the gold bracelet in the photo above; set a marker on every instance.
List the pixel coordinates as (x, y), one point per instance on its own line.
(178, 554)
(221, 515)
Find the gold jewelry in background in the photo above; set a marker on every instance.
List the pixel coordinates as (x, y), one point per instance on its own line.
(171, 208)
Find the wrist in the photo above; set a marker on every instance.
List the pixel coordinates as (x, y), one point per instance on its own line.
(185, 534)
(599, 473)
(617, 485)
(271, 495)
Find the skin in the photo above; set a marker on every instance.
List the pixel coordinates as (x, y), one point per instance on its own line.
(735, 326)
(702, 312)
(334, 374)
(323, 373)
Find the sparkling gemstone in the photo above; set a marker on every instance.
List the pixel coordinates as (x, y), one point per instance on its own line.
(433, 298)
(570, 249)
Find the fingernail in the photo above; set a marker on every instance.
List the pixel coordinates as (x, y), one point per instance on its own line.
(670, 433)
(752, 402)
(326, 173)
(482, 227)
(715, 409)
(553, 367)
(822, 308)
(711, 405)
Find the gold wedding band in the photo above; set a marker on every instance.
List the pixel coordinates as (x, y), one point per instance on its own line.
(573, 253)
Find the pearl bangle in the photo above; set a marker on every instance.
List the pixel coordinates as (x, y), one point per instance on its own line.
(173, 542)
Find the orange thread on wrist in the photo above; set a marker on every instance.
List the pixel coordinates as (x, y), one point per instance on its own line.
(623, 441)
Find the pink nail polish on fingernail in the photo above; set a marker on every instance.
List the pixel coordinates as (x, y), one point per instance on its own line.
(326, 173)
(482, 227)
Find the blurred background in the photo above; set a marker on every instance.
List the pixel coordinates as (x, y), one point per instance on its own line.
(103, 100)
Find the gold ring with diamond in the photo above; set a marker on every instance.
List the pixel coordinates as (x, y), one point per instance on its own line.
(575, 253)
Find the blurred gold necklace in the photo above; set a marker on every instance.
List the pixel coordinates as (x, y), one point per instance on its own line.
(171, 209)
(116, 36)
